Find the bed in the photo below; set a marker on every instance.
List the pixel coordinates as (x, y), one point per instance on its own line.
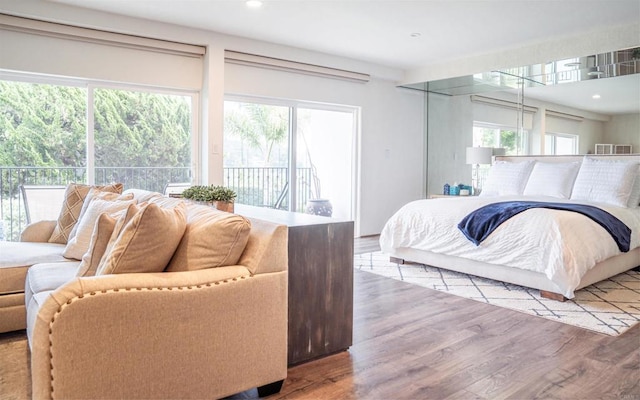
(554, 251)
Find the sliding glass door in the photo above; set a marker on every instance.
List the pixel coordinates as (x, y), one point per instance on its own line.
(260, 148)
(325, 155)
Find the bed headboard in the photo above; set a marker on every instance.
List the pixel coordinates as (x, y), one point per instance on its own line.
(550, 159)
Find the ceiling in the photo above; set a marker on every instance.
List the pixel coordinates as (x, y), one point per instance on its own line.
(617, 96)
(380, 31)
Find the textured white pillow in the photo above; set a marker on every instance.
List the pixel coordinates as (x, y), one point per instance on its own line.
(507, 178)
(602, 181)
(79, 244)
(552, 179)
(634, 198)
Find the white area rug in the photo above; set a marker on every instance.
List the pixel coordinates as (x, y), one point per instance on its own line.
(610, 307)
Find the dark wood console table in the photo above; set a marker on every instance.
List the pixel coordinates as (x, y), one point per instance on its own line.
(320, 281)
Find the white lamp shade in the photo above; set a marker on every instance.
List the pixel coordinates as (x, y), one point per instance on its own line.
(479, 155)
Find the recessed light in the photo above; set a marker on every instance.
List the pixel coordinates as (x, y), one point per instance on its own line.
(416, 34)
(595, 96)
(253, 3)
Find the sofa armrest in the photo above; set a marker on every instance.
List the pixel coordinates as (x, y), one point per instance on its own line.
(200, 334)
(39, 231)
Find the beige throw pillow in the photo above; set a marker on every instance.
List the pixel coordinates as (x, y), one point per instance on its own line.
(79, 243)
(212, 239)
(99, 240)
(95, 194)
(121, 222)
(146, 243)
(73, 200)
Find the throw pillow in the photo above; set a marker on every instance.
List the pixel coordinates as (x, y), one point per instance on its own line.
(73, 200)
(507, 178)
(634, 198)
(99, 240)
(147, 242)
(212, 239)
(93, 195)
(552, 179)
(603, 181)
(79, 244)
(121, 222)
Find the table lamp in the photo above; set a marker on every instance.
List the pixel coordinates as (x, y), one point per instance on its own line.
(477, 156)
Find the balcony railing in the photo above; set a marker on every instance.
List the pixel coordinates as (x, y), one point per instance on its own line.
(254, 186)
(266, 186)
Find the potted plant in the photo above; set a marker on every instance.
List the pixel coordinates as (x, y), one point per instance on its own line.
(219, 197)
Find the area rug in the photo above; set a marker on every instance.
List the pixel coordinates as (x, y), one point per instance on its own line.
(610, 307)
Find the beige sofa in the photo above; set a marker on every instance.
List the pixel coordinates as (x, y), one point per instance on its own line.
(205, 333)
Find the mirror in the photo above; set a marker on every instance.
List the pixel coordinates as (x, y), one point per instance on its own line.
(559, 107)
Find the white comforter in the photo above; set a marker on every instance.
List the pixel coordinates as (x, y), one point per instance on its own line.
(563, 245)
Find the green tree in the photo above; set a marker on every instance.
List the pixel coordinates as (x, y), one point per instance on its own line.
(509, 141)
(45, 126)
(42, 125)
(140, 129)
(260, 126)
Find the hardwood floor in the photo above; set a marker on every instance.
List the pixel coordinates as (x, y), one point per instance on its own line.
(366, 244)
(415, 343)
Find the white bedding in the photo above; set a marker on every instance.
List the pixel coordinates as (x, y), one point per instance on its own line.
(561, 244)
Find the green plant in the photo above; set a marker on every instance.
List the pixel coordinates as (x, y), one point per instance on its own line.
(209, 193)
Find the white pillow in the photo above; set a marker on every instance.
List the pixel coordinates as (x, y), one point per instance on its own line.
(507, 178)
(79, 244)
(634, 198)
(602, 181)
(552, 179)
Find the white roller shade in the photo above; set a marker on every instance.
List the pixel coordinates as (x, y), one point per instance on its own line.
(558, 123)
(253, 60)
(47, 48)
(503, 116)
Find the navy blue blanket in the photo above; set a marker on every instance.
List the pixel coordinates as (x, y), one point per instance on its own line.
(480, 223)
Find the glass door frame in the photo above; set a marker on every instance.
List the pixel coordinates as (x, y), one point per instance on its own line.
(293, 106)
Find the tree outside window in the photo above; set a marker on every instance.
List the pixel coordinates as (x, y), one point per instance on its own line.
(501, 137)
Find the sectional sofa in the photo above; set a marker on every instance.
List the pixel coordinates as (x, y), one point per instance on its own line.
(193, 306)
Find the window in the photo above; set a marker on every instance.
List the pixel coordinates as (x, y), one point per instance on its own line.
(560, 144)
(50, 136)
(485, 135)
(256, 153)
(142, 139)
(262, 141)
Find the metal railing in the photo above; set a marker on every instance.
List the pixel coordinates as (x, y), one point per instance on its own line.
(265, 186)
(254, 185)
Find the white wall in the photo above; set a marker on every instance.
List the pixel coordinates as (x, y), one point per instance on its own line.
(623, 129)
(449, 131)
(391, 145)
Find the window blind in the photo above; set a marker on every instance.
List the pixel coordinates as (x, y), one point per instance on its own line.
(235, 57)
(48, 48)
(500, 112)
